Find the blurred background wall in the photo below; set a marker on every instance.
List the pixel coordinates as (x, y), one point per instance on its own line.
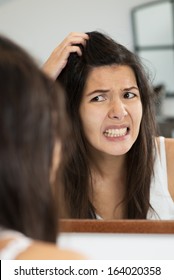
(39, 25)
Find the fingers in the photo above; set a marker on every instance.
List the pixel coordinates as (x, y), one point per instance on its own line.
(59, 57)
(74, 38)
(71, 49)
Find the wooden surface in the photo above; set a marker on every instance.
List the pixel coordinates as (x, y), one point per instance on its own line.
(117, 226)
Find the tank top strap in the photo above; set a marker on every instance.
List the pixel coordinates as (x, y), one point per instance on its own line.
(162, 152)
(163, 159)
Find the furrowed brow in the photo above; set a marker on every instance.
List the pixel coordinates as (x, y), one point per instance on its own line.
(97, 91)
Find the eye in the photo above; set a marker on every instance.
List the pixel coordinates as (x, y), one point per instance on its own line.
(129, 95)
(98, 98)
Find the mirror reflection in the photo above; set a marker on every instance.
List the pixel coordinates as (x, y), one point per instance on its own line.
(119, 168)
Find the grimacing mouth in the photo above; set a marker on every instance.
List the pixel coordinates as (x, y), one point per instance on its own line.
(116, 132)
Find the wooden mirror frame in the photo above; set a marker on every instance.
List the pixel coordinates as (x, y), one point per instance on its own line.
(117, 226)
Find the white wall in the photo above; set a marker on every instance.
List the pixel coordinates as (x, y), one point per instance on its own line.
(39, 25)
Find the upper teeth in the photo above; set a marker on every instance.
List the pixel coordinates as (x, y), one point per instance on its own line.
(115, 132)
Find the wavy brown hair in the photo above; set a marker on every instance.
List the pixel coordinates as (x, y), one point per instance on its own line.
(101, 50)
(32, 118)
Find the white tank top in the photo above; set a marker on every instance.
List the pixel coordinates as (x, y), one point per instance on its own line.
(160, 198)
(16, 246)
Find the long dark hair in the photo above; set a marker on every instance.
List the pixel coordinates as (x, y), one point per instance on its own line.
(32, 117)
(101, 50)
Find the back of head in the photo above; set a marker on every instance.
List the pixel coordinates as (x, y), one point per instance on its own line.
(31, 110)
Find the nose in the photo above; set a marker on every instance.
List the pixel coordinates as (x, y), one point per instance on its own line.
(117, 110)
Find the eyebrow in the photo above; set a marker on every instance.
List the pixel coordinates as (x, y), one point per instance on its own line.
(106, 90)
(130, 88)
(97, 91)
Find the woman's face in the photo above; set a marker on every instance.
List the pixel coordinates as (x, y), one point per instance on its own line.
(111, 109)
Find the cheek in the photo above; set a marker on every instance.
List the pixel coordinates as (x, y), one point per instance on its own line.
(89, 124)
(138, 114)
(92, 126)
(87, 117)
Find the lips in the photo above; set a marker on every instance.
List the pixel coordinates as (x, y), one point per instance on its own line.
(116, 131)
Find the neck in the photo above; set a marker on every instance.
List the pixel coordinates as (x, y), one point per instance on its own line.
(108, 185)
(104, 165)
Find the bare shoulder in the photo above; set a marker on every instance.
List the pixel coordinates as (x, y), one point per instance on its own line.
(169, 144)
(48, 251)
(169, 148)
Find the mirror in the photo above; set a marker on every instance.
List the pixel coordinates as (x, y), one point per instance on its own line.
(119, 240)
(117, 24)
(153, 35)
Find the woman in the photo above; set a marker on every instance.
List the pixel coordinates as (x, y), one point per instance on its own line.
(33, 125)
(119, 169)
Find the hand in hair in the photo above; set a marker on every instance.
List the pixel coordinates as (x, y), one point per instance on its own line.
(59, 57)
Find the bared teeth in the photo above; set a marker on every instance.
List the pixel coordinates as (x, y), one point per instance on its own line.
(115, 132)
